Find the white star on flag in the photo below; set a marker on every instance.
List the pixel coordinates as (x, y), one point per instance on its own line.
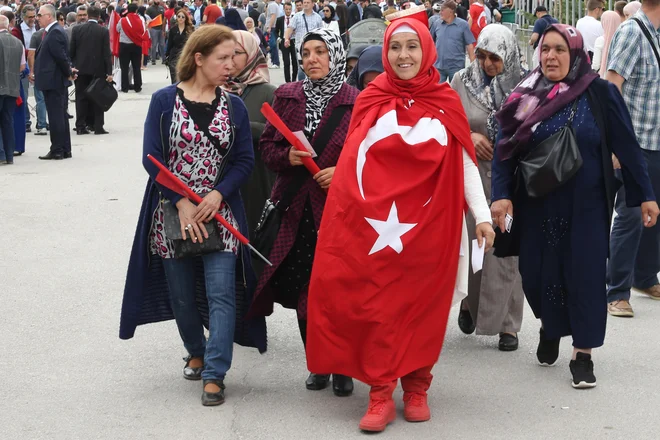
(389, 231)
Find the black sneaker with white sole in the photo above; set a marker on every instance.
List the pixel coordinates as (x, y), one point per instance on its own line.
(548, 350)
(582, 369)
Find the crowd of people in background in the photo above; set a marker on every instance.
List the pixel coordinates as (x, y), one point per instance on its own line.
(557, 245)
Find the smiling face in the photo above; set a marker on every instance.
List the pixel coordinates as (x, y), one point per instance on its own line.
(30, 17)
(218, 65)
(315, 59)
(555, 57)
(404, 54)
(490, 63)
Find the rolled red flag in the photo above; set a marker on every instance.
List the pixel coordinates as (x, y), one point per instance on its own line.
(276, 122)
(169, 180)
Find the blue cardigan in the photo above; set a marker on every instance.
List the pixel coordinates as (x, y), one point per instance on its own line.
(146, 294)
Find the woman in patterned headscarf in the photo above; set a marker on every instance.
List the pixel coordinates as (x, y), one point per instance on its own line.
(250, 80)
(320, 107)
(562, 234)
(495, 297)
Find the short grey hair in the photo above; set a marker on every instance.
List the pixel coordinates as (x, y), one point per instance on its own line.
(4, 22)
(81, 8)
(50, 10)
(71, 17)
(28, 8)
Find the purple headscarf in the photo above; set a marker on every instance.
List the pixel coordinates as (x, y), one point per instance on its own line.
(536, 98)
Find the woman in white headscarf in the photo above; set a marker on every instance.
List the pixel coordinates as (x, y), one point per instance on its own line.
(495, 298)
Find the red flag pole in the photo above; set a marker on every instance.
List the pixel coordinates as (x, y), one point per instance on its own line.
(276, 122)
(184, 190)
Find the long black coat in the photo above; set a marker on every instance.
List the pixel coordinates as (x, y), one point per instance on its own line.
(90, 49)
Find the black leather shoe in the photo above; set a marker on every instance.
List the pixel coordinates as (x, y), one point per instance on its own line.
(101, 131)
(465, 322)
(18, 153)
(508, 342)
(342, 386)
(316, 382)
(82, 131)
(213, 399)
(51, 156)
(192, 373)
(69, 116)
(67, 155)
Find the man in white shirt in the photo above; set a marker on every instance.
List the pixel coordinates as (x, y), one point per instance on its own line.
(302, 23)
(28, 28)
(589, 26)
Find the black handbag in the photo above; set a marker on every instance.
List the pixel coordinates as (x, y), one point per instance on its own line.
(172, 224)
(102, 93)
(271, 216)
(553, 162)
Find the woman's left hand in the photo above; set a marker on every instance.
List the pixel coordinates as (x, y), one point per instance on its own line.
(485, 232)
(209, 207)
(324, 177)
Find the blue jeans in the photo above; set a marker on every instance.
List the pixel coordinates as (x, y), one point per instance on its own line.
(634, 250)
(7, 135)
(42, 120)
(219, 276)
(447, 75)
(272, 44)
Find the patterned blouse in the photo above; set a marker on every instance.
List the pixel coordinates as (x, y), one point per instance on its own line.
(196, 156)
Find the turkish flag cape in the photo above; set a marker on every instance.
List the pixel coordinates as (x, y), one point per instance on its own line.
(114, 35)
(387, 255)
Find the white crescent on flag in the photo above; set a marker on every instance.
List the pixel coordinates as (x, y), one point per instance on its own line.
(387, 125)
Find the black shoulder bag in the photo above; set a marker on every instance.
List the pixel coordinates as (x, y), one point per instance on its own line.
(553, 162)
(271, 216)
(172, 224)
(648, 36)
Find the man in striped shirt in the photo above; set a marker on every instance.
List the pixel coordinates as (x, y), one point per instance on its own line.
(634, 67)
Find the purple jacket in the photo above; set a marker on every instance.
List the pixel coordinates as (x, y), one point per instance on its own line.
(289, 104)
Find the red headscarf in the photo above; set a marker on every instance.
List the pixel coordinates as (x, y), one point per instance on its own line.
(432, 98)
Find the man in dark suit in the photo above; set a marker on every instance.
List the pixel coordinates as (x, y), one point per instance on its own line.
(354, 12)
(288, 53)
(90, 54)
(53, 74)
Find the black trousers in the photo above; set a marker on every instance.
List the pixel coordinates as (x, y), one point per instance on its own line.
(290, 62)
(60, 136)
(87, 112)
(130, 53)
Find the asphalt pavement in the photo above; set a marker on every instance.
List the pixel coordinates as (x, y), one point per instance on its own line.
(64, 373)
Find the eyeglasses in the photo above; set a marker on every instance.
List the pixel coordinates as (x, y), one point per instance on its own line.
(493, 58)
(326, 10)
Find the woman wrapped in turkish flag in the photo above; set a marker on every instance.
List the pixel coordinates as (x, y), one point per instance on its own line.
(393, 238)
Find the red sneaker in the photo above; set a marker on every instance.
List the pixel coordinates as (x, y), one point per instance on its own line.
(416, 408)
(381, 412)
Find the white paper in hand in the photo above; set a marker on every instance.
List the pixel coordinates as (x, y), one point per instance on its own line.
(300, 135)
(477, 255)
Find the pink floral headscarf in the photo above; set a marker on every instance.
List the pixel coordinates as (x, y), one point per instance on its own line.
(536, 98)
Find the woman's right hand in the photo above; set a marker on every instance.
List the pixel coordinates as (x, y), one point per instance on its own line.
(482, 146)
(498, 210)
(196, 230)
(296, 156)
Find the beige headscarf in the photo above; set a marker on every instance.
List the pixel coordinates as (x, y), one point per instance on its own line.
(256, 69)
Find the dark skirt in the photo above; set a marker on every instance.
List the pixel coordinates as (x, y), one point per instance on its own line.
(291, 280)
(564, 239)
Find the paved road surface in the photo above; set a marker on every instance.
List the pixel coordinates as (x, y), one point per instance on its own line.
(67, 228)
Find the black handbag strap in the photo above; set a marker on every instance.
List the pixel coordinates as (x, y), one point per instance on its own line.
(319, 145)
(648, 36)
(573, 112)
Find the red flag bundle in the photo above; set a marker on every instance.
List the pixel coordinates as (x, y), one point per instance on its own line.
(169, 180)
(276, 122)
(158, 21)
(114, 35)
